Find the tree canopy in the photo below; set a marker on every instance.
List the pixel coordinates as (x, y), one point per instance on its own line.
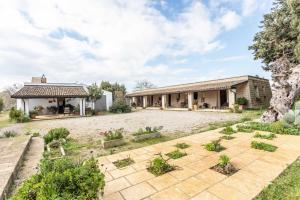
(95, 92)
(279, 35)
(144, 84)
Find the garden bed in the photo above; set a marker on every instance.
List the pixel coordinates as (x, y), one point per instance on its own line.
(112, 143)
(138, 138)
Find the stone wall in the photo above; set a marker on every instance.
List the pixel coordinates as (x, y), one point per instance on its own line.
(260, 93)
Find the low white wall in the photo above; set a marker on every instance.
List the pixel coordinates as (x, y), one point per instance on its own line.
(42, 102)
(109, 99)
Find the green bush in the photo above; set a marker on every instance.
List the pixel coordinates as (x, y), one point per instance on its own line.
(159, 166)
(114, 135)
(33, 114)
(120, 106)
(63, 179)
(182, 145)
(56, 134)
(224, 160)
(9, 134)
(263, 146)
(242, 101)
(18, 116)
(228, 130)
(35, 134)
(244, 128)
(278, 127)
(1, 104)
(176, 154)
(270, 136)
(148, 130)
(123, 162)
(214, 145)
(235, 109)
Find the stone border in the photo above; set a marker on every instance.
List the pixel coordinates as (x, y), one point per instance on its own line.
(137, 138)
(7, 187)
(112, 143)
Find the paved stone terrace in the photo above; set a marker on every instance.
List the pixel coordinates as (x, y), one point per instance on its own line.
(11, 153)
(193, 179)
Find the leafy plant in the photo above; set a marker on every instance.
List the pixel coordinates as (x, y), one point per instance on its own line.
(242, 101)
(18, 116)
(278, 127)
(33, 114)
(182, 145)
(1, 104)
(263, 146)
(214, 145)
(228, 130)
(244, 128)
(56, 134)
(292, 117)
(176, 154)
(148, 130)
(114, 135)
(63, 179)
(224, 160)
(35, 134)
(52, 109)
(120, 106)
(123, 162)
(159, 166)
(9, 134)
(270, 136)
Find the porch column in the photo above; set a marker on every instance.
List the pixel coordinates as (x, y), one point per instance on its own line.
(26, 106)
(82, 107)
(190, 100)
(144, 101)
(134, 100)
(231, 97)
(163, 101)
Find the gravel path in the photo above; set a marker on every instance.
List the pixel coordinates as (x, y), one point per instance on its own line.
(171, 121)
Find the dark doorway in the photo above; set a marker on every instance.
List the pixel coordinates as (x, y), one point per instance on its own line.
(223, 98)
(169, 100)
(61, 105)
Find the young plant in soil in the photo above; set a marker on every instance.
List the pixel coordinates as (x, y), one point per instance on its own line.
(176, 154)
(214, 145)
(224, 166)
(270, 136)
(123, 162)
(244, 128)
(182, 145)
(228, 131)
(114, 135)
(159, 166)
(263, 146)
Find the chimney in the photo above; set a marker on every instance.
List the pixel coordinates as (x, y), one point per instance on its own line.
(42, 79)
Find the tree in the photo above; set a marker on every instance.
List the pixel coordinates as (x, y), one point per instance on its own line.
(1, 104)
(144, 84)
(95, 93)
(113, 88)
(278, 46)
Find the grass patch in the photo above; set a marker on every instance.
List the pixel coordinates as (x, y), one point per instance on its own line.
(227, 137)
(228, 130)
(263, 146)
(270, 136)
(176, 154)
(159, 166)
(244, 128)
(4, 119)
(284, 187)
(123, 163)
(214, 145)
(182, 145)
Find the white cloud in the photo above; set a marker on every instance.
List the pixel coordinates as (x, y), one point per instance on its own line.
(101, 39)
(251, 6)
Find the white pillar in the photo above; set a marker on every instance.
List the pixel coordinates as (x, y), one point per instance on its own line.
(134, 100)
(25, 106)
(231, 98)
(82, 107)
(190, 100)
(163, 101)
(144, 101)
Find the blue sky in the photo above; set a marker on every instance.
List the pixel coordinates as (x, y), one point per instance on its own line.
(163, 41)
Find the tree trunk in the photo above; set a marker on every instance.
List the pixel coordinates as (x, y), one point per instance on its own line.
(286, 89)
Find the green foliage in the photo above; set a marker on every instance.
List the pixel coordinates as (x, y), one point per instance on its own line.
(284, 187)
(228, 130)
(113, 87)
(18, 116)
(263, 146)
(159, 166)
(214, 145)
(95, 92)
(244, 128)
(33, 114)
(9, 134)
(148, 130)
(123, 162)
(35, 134)
(52, 109)
(276, 127)
(176, 154)
(113, 135)
(56, 134)
(224, 160)
(1, 104)
(292, 117)
(279, 34)
(270, 136)
(120, 106)
(235, 109)
(242, 101)
(63, 179)
(182, 145)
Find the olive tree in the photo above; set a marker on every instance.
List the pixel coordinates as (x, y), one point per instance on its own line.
(95, 93)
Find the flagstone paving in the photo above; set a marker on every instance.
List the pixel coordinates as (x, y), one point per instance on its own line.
(193, 178)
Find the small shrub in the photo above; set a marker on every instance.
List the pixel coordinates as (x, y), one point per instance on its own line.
(270, 136)
(176, 154)
(242, 101)
(35, 134)
(159, 166)
(52, 109)
(292, 117)
(1, 104)
(120, 106)
(228, 130)
(148, 130)
(224, 166)
(182, 145)
(123, 163)
(223, 160)
(235, 109)
(214, 146)
(277, 127)
(263, 146)
(18, 116)
(33, 114)
(114, 135)
(9, 134)
(56, 134)
(244, 128)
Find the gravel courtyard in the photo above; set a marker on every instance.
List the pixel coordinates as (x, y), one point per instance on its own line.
(171, 121)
